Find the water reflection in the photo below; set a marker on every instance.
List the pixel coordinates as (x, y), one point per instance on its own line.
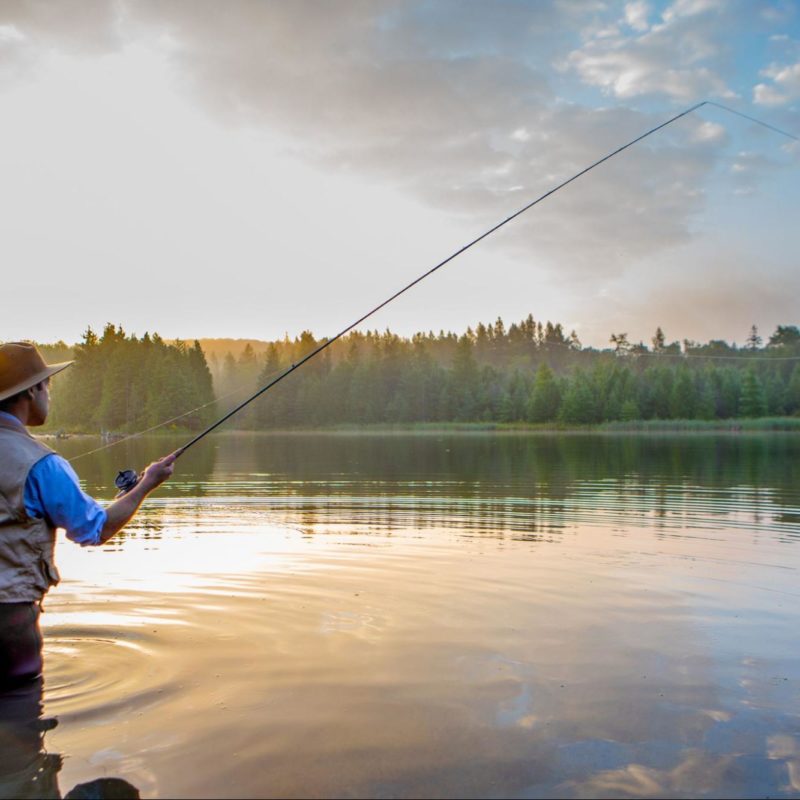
(440, 616)
(493, 484)
(466, 460)
(27, 770)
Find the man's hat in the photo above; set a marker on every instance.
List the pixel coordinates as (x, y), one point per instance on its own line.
(22, 366)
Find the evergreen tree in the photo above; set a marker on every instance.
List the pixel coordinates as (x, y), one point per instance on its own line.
(683, 402)
(752, 402)
(121, 383)
(578, 405)
(753, 339)
(706, 404)
(528, 370)
(629, 410)
(546, 396)
(661, 392)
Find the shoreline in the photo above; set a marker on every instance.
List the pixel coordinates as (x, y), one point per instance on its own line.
(648, 427)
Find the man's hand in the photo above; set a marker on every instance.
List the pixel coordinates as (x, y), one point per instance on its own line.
(119, 513)
(157, 472)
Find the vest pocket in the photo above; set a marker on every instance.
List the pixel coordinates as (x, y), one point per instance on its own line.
(49, 572)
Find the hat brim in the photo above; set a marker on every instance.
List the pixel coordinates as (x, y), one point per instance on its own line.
(32, 380)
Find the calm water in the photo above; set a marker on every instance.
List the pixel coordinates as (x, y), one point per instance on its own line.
(440, 616)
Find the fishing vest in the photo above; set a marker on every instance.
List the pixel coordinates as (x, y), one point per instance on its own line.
(27, 569)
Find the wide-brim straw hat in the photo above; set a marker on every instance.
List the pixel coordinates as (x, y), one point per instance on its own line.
(22, 366)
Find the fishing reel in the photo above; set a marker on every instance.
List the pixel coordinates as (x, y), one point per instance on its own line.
(125, 481)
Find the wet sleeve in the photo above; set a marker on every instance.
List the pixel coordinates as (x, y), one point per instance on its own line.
(53, 492)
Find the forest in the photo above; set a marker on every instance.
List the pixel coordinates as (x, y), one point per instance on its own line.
(528, 372)
(122, 383)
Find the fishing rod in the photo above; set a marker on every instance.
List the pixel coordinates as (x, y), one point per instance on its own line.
(127, 479)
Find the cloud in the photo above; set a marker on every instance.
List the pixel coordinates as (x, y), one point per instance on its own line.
(680, 57)
(30, 29)
(636, 15)
(697, 772)
(446, 102)
(682, 9)
(709, 132)
(451, 102)
(785, 86)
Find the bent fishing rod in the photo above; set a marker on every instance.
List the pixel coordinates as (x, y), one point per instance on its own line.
(128, 478)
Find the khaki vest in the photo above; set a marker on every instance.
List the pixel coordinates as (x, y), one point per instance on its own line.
(27, 569)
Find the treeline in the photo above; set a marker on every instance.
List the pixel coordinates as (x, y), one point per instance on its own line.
(123, 383)
(526, 372)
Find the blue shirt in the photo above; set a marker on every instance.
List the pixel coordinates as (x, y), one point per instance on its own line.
(52, 492)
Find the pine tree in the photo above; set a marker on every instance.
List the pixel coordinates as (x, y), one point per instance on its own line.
(683, 400)
(706, 404)
(629, 410)
(578, 405)
(753, 339)
(752, 402)
(661, 391)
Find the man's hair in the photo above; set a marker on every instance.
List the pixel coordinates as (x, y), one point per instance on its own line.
(9, 403)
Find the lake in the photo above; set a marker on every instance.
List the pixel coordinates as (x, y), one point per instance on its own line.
(435, 615)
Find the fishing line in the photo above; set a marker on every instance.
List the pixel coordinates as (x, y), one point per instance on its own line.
(700, 355)
(237, 390)
(328, 342)
(542, 346)
(649, 354)
(752, 119)
(124, 483)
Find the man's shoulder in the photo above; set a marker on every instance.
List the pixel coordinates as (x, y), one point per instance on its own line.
(17, 444)
(53, 466)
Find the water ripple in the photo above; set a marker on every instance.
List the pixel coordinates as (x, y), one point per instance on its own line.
(101, 672)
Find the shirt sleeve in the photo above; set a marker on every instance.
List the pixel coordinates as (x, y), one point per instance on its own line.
(53, 492)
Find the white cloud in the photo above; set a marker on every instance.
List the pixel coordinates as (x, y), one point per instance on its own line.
(636, 15)
(787, 76)
(679, 57)
(765, 95)
(785, 86)
(690, 8)
(628, 73)
(709, 132)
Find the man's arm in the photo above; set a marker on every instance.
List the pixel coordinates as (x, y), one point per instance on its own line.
(53, 491)
(120, 512)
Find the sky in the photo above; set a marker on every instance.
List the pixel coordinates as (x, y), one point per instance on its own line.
(250, 169)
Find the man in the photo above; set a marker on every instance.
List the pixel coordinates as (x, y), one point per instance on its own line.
(39, 492)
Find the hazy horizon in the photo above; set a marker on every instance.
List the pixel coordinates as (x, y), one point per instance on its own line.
(241, 342)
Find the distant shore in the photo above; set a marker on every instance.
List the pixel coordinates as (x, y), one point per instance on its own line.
(652, 426)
